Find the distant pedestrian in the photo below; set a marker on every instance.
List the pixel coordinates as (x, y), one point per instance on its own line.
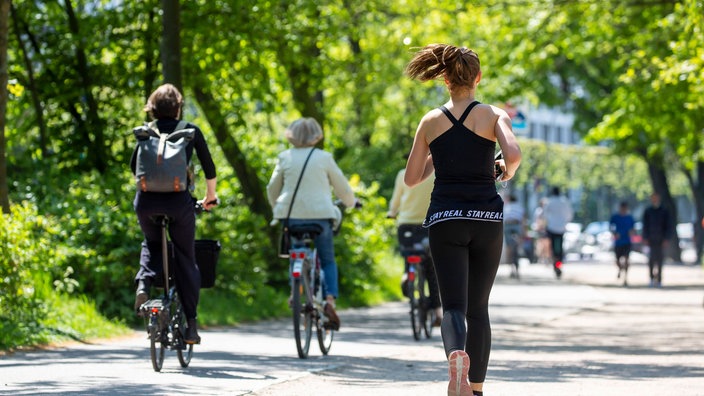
(558, 212)
(542, 242)
(622, 227)
(656, 234)
(514, 219)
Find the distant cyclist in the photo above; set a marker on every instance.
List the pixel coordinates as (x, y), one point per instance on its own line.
(408, 206)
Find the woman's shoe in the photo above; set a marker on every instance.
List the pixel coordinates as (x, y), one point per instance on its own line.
(329, 312)
(459, 367)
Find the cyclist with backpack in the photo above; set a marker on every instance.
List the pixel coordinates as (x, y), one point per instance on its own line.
(160, 165)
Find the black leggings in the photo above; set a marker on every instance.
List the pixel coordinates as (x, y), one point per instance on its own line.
(466, 255)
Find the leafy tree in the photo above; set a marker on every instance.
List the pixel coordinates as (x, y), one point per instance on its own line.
(79, 74)
(611, 62)
(4, 17)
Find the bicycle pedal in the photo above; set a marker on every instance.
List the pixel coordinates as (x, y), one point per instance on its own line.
(327, 325)
(155, 303)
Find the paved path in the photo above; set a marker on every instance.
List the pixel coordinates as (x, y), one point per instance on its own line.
(582, 335)
(588, 336)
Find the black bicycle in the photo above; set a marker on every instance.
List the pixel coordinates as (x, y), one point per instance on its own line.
(164, 316)
(418, 291)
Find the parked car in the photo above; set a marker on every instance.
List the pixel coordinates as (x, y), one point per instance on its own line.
(596, 237)
(685, 232)
(571, 237)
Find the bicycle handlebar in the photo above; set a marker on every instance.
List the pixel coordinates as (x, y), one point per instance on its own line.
(341, 205)
(200, 208)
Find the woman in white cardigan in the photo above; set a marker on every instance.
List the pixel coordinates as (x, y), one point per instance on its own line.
(313, 202)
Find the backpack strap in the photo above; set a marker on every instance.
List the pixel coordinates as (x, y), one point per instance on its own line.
(180, 126)
(163, 137)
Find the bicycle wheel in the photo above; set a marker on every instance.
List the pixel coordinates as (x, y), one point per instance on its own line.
(426, 318)
(302, 317)
(415, 302)
(324, 332)
(183, 351)
(325, 337)
(156, 351)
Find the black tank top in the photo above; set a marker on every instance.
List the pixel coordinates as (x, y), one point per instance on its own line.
(465, 188)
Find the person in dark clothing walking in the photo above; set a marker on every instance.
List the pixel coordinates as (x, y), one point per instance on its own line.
(164, 106)
(656, 234)
(465, 217)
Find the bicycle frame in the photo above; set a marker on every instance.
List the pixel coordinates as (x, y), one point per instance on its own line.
(165, 316)
(302, 268)
(307, 292)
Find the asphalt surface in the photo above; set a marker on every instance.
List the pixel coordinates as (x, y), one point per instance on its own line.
(585, 334)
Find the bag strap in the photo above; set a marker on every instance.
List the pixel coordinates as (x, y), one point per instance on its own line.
(290, 207)
(163, 137)
(181, 125)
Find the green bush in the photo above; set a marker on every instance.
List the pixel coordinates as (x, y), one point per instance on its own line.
(35, 302)
(26, 259)
(88, 253)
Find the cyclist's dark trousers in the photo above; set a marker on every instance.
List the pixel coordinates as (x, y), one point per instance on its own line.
(655, 260)
(556, 243)
(466, 254)
(409, 235)
(182, 229)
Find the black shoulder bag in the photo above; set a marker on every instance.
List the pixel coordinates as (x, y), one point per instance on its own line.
(285, 243)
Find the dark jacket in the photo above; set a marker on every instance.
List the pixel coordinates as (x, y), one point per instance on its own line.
(656, 224)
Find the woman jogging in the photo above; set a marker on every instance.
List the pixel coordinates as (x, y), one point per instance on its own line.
(465, 217)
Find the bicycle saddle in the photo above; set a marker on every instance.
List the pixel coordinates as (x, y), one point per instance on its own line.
(299, 230)
(159, 217)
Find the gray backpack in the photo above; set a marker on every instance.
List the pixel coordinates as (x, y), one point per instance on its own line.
(162, 164)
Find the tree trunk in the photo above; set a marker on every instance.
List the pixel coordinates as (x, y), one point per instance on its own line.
(31, 83)
(97, 150)
(151, 60)
(660, 186)
(249, 182)
(4, 29)
(171, 43)
(697, 188)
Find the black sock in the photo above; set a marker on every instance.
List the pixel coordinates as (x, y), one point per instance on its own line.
(478, 393)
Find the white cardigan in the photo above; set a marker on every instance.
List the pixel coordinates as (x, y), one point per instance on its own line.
(314, 198)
